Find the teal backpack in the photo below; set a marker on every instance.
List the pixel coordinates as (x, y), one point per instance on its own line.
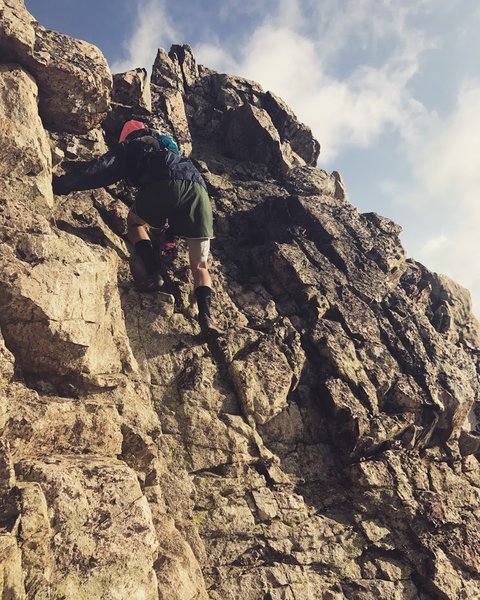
(166, 141)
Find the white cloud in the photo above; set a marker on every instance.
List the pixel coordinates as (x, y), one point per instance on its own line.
(228, 8)
(294, 53)
(366, 25)
(450, 155)
(153, 29)
(443, 189)
(455, 255)
(289, 12)
(216, 57)
(436, 244)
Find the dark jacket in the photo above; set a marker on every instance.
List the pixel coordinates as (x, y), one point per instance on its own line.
(140, 159)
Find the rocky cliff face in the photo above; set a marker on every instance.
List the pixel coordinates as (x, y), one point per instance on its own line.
(324, 448)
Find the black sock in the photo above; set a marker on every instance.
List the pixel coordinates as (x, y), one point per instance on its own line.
(203, 295)
(144, 249)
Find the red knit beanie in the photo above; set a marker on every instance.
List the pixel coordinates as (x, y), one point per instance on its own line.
(129, 127)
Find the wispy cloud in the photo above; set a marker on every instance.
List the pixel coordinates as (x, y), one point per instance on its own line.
(152, 29)
(442, 191)
(298, 51)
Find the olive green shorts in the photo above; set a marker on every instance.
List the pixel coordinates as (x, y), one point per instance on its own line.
(185, 204)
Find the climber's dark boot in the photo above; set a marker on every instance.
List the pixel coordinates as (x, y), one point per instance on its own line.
(152, 283)
(203, 295)
(208, 327)
(144, 268)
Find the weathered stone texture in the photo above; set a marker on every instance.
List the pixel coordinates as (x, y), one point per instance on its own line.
(25, 159)
(58, 303)
(298, 134)
(131, 98)
(12, 583)
(103, 539)
(324, 448)
(251, 135)
(132, 89)
(73, 76)
(248, 123)
(17, 30)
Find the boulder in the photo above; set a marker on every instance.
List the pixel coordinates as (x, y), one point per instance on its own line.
(69, 147)
(171, 105)
(251, 135)
(229, 91)
(133, 89)
(88, 518)
(25, 157)
(73, 76)
(51, 425)
(131, 99)
(74, 80)
(17, 31)
(290, 129)
(60, 308)
(166, 71)
(7, 362)
(183, 56)
(263, 379)
(12, 584)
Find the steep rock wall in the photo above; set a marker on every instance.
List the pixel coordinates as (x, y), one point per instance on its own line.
(324, 447)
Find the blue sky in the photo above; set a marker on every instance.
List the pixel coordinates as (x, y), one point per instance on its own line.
(390, 88)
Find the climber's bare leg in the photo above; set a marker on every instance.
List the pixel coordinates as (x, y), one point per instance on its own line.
(136, 229)
(198, 251)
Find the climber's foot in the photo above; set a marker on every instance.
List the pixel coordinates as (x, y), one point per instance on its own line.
(208, 327)
(152, 283)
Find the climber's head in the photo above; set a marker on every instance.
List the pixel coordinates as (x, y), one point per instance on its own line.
(130, 127)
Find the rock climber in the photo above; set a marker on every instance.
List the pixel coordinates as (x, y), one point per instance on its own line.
(169, 187)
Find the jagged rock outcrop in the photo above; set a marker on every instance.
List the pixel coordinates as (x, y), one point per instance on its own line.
(25, 159)
(325, 447)
(17, 30)
(73, 76)
(131, 97)
(132, 89)
(251, 123)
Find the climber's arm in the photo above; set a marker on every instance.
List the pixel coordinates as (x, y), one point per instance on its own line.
(96, 173)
